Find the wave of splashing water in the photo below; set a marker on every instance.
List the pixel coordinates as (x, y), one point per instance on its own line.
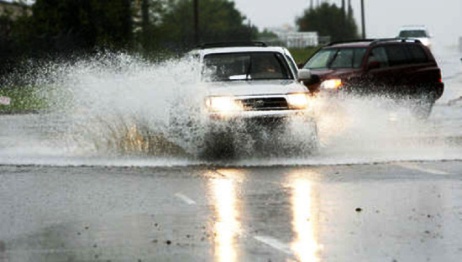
(359, 130)
(120, 104)
(109, 106)
(115, 109)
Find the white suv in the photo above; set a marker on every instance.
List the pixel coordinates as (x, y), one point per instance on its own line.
(253, 98)
(418, 32)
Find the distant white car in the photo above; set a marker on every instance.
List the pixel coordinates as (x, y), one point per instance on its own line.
(253, 93)
(419, 32)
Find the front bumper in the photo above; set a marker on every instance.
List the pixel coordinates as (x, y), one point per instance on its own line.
(248, 115)
(254, 120)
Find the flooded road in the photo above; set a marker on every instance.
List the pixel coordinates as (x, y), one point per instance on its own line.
(99, 179)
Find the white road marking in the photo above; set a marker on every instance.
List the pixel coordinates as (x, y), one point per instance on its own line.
(418, 168)
(274, 243)
(185, 198)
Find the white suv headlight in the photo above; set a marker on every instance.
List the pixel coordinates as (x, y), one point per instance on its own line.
(298, 100)
(223, 104)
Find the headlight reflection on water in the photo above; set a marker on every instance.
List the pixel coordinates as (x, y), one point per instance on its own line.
(226, 225)
(305, 244)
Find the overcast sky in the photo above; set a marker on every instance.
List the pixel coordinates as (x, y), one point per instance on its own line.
(443, 18)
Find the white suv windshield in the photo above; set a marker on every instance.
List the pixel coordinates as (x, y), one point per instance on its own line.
(245, 66)
(413, 33)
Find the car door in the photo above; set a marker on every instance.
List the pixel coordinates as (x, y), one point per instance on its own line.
(391, 75)
(379, 74)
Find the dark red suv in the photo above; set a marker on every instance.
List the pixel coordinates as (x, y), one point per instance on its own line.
(396, 68)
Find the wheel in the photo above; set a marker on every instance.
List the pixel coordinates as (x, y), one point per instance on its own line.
(218, 144)
(311, 143)
(301, 138)
(184, 130)
(422, 108)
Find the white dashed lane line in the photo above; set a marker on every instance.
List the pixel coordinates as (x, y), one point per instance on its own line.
(185, 199)
(274, 243)
(415, 167)
(269, 241)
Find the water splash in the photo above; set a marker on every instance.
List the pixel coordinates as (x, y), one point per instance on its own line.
(117, 109)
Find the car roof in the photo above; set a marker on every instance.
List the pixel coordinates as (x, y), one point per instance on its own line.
(370, 42)
(236, 48)
(364, 43)
(413, 27)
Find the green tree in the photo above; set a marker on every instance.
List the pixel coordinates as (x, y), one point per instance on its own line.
(60, 26)
(329, 20)
(149, 31)
(219, 21)
(69, 25)
(267, 35)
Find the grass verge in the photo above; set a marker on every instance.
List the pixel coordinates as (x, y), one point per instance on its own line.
(302, 54)
(22, 99)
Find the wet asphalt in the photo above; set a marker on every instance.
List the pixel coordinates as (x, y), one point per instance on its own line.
(397, 211)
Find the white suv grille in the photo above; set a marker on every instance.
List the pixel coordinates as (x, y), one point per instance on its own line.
(265, 103)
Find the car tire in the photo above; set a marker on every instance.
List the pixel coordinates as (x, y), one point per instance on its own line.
(217, 145)
(422, 108)
(311, 145)
(305, 142)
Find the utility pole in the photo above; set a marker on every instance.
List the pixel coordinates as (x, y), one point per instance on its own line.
(145, 22)
(196, 21)
(363, 22)
(349, 9)
(344, 19)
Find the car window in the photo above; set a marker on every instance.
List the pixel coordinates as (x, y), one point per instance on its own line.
(320, 59)
(380, 55)
(397, 55)
(417, 53)
(342, 59)
(245, 66)
(413, 33)
(337, 58)
(348, 58)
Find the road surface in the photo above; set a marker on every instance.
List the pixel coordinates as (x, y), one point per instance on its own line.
(398, 211)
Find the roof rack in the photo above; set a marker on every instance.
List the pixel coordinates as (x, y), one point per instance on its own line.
(350, 41)
(232, 44)
(396, 39)
(377, 40)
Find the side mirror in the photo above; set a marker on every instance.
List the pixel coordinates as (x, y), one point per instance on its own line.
(304, 75)
(373, 65)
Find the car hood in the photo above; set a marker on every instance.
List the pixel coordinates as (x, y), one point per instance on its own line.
(250, 88)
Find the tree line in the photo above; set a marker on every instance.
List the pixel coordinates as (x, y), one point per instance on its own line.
(329, 20)
(149, 27)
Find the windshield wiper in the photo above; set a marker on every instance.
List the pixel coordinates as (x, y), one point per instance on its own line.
(331, 61)
(249, 67)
